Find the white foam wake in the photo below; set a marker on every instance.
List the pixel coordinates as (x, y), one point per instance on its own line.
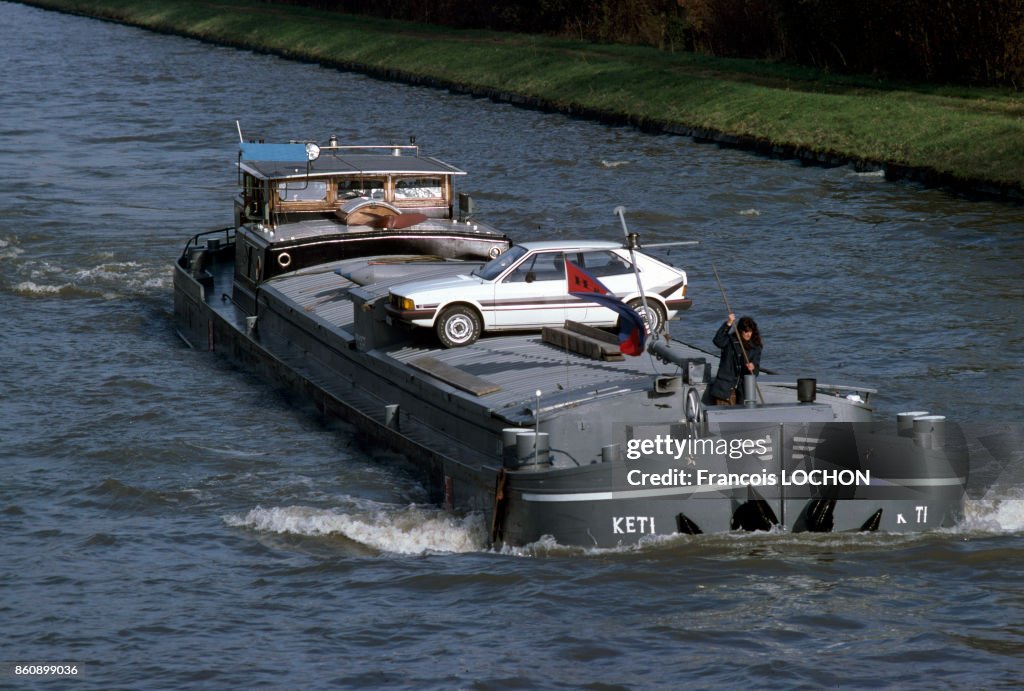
(401, 530)
(9, 251)
(997, 512)
(107, 279)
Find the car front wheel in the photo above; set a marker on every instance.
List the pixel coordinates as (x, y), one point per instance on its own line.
(654, 317)
(458, 326)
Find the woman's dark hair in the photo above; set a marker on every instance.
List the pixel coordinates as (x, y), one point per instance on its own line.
(748, 324)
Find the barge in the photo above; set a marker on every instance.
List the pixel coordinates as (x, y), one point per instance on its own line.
(547, 432)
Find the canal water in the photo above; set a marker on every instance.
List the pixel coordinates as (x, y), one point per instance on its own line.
(169, 521)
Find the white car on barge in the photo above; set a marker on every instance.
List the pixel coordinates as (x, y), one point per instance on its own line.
(546, 434)
(527, 287)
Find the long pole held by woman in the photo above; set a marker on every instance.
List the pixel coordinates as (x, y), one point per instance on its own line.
(751, 329)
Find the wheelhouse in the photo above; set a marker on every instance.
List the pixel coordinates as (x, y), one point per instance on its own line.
(357, 185)
(301, 204)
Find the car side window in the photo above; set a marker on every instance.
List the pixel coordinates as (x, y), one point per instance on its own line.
(543, 266)
(603, 263)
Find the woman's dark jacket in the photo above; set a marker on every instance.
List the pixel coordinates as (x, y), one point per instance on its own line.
(732, 367)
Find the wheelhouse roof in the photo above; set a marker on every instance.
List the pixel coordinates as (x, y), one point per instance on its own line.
(340, 162)
(569, 245)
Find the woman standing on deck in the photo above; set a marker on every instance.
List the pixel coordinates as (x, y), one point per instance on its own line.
(741, 355)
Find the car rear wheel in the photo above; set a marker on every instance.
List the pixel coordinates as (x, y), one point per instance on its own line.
(458, 326)
(654, 317)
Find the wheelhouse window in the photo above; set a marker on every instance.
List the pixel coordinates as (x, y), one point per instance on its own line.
(419, 188)
(252, 198)
(250, 189)
(363, 187)
(302, 191)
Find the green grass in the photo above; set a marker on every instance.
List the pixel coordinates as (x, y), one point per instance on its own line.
(967, 136)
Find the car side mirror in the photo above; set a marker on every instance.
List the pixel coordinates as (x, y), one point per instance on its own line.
(530, 277)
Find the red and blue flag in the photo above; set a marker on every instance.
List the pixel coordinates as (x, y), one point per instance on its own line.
(632, 330)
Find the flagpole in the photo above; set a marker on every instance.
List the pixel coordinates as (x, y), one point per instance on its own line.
(630, 245)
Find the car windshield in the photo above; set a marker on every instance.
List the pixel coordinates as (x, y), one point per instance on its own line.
(494, 268)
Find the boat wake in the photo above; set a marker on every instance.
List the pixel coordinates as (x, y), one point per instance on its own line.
(417, 529)
(996, 512)
(411, 529)
(108, 278)
(9, 250)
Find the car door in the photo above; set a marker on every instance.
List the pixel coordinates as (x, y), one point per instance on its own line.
(535, 294)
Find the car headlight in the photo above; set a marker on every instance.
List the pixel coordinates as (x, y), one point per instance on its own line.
(402, 303)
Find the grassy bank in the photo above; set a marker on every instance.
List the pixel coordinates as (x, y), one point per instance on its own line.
(968, 138)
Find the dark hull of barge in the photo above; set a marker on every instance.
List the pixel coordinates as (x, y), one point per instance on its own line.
(454, 414)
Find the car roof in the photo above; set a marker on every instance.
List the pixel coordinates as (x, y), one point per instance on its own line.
(570, 245)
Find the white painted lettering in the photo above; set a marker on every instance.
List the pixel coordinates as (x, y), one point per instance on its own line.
(633, 524)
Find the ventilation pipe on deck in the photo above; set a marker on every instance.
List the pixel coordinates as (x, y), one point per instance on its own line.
(532, 448)
(930, 431)
(806, 390)
(465, 207)
(749, 389)
(905, 422)
(509, 453)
